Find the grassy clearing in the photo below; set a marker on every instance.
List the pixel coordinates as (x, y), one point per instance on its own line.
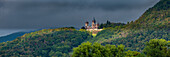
(94, 35)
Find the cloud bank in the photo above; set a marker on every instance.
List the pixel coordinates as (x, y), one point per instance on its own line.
(33, 14)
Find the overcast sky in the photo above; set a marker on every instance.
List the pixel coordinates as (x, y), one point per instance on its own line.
(35, 14)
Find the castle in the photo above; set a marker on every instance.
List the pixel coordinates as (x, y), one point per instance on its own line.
(94, 28)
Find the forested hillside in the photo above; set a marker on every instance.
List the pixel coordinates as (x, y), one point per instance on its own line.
(153, 24)
(156, 17)
(46, 42)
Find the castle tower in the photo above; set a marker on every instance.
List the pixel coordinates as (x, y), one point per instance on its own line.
(86, 24)
(93, 23)
(94, 28)
(97, 25)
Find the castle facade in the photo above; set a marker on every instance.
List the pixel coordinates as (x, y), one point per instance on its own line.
(94, 28)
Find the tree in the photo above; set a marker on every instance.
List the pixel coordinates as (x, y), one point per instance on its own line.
(121, 51)
(127, 22)
(108, 22)
(97, 50)
(83, 27)
(83, 50)
(131, 53)
(89, 50)
(101, 26)
(131, 22)
(156, 48)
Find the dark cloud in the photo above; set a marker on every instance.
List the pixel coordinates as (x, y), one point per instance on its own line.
(30, 14)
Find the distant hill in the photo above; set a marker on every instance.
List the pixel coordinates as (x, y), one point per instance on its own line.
(11, 36)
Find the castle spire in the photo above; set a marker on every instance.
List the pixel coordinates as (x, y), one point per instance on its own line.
(94, 20)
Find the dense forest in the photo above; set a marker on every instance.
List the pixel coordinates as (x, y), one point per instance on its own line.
(46, 42)
(148, 36)
(109, 24)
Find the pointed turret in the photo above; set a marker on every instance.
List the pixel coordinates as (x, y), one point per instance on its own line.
(94, 21)
(86, 25)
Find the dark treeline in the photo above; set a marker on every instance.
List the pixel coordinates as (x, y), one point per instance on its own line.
(112, 25)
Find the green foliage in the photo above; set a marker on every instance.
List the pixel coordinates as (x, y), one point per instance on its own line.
(112, 25)
(132, 53)
(82, 30)
(46, 42)
(104, 34)
(154, 48)
(94, 35)
(157, 48)
(97, 50)
(132, 39)
(156, 17)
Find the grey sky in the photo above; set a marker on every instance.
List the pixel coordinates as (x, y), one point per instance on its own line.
(34, 14)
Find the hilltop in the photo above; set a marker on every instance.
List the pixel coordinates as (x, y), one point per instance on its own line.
(156, 17)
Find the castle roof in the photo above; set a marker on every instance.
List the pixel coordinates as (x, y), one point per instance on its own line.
(87, 22)
(94, 20)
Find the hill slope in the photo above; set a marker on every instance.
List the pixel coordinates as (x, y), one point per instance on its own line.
(46, 42)
(153, 24)
(155, 17)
